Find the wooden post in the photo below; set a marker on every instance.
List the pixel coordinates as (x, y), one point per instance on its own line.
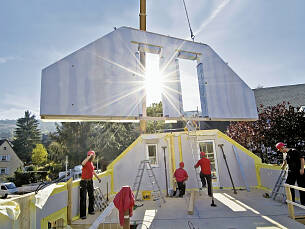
(190, 210)
(126, 224)
(69, 208)
(290, 206)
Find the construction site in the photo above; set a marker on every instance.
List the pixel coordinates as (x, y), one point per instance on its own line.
(104, 81)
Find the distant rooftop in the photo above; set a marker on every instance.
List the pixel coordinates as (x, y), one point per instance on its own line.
(271, 96)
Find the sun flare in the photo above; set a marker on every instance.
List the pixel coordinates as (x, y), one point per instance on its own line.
(153, 79)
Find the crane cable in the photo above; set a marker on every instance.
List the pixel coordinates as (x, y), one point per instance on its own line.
(188, 20)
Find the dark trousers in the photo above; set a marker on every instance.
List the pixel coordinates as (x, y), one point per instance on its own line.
(181, 187)
(206, 178)
(86, 186)
(296, 177)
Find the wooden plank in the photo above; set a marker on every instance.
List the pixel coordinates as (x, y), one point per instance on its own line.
(289, 204)
(295, 204)
(295, 187)
(69, 208)
(190, 210)
(126, 224)
(100, 219)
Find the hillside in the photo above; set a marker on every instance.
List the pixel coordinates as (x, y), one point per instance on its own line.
(7, 128)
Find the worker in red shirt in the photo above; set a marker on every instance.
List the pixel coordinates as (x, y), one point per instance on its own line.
(181, 176)
(205, 173)
(86, 185)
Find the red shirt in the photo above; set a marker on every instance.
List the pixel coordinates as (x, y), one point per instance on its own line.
(205, 165)
(87, 170)
(180, 175)
(123, 201)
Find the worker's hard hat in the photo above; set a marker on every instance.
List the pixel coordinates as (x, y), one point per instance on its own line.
(202, 154)
(279, 145)
(181, 164)
(90, 153)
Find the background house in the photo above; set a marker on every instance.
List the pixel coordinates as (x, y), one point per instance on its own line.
(269, 96)
(9, 161)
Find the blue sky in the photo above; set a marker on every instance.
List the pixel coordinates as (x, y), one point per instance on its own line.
(263, 41)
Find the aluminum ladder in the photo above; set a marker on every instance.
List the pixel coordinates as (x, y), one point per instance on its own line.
(100, 202)
(156, 191)
(278, 185)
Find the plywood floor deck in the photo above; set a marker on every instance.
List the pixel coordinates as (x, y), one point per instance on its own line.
(234, 211)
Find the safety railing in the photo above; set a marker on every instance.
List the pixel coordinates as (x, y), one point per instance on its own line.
(291, 204)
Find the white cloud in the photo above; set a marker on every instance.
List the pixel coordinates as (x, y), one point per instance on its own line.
(4, 60)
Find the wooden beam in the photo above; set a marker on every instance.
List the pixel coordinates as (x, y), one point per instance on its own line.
(190, 210)
(295, 187)
(289, 204)
(126, 224)
(69, 208)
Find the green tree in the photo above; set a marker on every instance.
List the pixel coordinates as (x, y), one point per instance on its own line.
(57, 152)
(72, 139)
(156, 110)
(39, 155)
(282, 122)
(107, 139)
(26, 136)
(111, 139)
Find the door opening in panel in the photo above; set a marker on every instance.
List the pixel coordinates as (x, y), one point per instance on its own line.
(209, 148)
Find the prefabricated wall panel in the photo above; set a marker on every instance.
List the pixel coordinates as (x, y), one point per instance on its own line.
(269, 177)
(246, 161)
(125, 170)
(104, 80)
(54, 203)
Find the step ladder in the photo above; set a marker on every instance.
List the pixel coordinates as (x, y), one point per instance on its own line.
(193, 139)
(279, 184)
(100, 202)
(156, 191)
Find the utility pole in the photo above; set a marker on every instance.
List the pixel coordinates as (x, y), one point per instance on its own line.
(97, 164)
(143, 62)
(66, 166)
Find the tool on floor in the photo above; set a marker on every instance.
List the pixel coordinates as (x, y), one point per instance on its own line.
(100, 202)
(156, 191)
(191, 225)
(224, 157)
(279, 184)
